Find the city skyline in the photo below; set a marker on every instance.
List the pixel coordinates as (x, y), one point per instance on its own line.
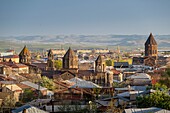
(97, 17)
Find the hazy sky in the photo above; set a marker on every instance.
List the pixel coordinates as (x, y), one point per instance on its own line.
(52, 17)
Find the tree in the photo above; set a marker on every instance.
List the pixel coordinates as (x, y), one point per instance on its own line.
(48, 83)
(58, 64)
(165, 78)
(109, 63)
(159, 86)
(28, 95)
(157, 99)
(96, 92)
(9, 101)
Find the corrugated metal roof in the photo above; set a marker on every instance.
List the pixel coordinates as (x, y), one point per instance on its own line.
(121, 64)
(29, 109)
(146, 110)
(83, 83)
(140, 76)
(35, 86)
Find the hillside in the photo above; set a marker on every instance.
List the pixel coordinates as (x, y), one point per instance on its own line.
(81, 41)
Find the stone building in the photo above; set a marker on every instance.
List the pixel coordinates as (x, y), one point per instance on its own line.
(151, 51)
(50, 61)
(70, 61)
(70, 69)
(151, 47)
(25, 56)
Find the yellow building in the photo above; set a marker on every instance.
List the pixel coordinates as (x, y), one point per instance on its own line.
(13, 58)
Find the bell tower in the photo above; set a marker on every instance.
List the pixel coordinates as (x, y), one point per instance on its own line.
(25, 56)
(70, 61)
(151, 47)
(50, 61)
(99, 64)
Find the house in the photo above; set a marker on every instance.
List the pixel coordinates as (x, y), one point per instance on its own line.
(13, 58)
(146, 110)
(121, 65)
(16, 67)
(80, 83)
(20, 68)
(14, 89)
(34, 87)
(139, 79)
(28, 109)
(4, 69)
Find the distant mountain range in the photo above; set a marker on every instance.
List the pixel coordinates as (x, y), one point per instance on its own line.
(82, 41)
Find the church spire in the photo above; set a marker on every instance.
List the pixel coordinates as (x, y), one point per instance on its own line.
(99, 64)
(151, 48)
(25, 55)
(70, 60)
(50, 54)
(151, 40)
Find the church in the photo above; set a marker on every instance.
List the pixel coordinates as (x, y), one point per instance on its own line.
(70, 69)
(151, 53)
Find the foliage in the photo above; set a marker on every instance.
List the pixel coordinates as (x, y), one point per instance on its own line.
(159, 86)
(96, 92)
(58, 64)
(9, 101)
(109, 63)
(158, 99)
(28, 95)
(47, 83)
(129, 60)
(112, 108)
(165, 78)
(126, 54)
(116, 84)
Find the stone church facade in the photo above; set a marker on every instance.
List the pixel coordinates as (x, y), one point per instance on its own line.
(151, 53)
(70, 69)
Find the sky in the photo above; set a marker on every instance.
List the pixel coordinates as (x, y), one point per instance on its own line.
(84, 17)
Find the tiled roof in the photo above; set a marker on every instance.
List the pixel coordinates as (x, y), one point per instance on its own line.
(85, 72)
(18, 66)
(10, 56)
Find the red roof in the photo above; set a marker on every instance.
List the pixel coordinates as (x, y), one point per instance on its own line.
(115, 71)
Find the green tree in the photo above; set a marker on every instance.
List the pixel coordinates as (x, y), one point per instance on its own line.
(165, 78)
(48, 83)
(157, 99)
(109, 63)
(28, 95)
(58, 64)
(96, 92)
(159, 86)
